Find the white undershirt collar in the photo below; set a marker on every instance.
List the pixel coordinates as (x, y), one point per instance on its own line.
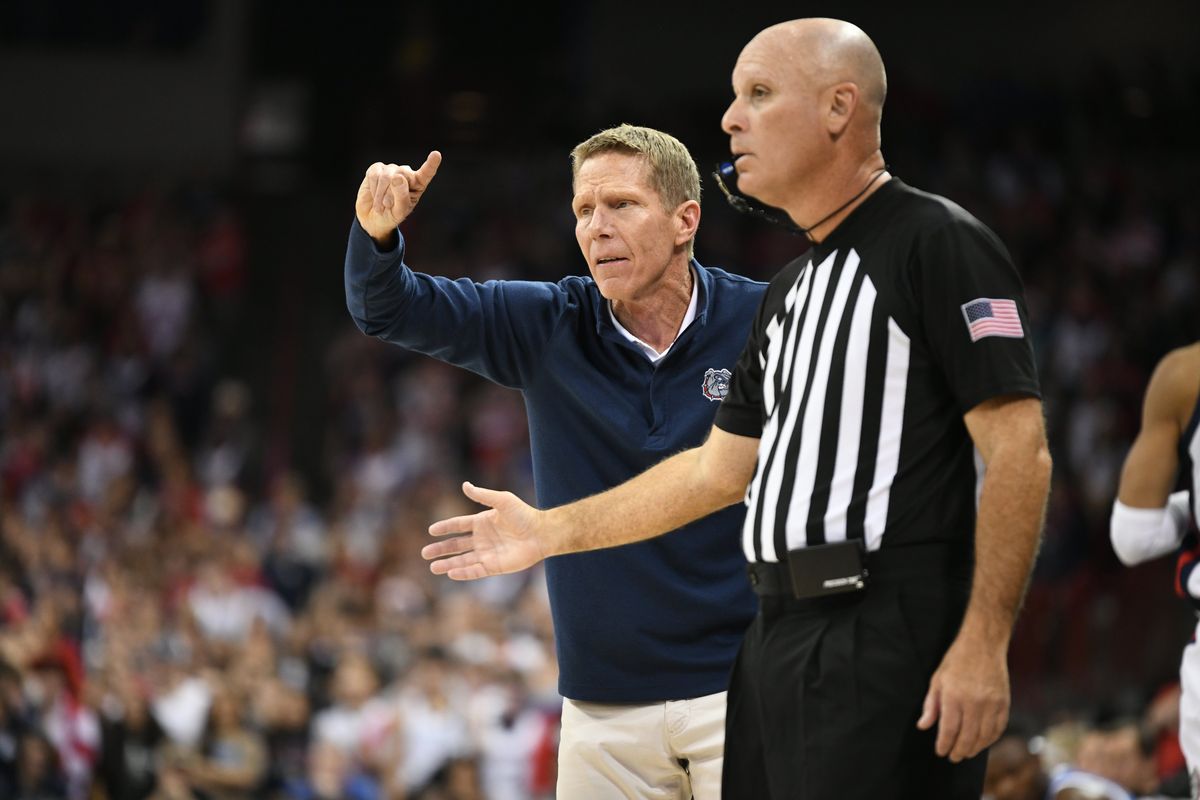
(646, 349)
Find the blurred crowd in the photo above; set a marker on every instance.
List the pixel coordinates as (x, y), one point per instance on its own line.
(1116, 759)
(174, 623)
(182, 617)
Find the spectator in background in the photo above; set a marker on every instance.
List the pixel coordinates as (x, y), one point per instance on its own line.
(40, 776)
(223, 456)
(226, 610)
(282, 714)
(117, 514)
(332, 775)
(68, 724)
(232, 760)
(1129, 759)
(182, 699)
(131, 739)
(358, 720)
(508, 745)
(1114, 762)
(1014, 771)
(14, 722)
(433, 720)
(293, 536)
(173, 782)
(105, 456)
(1160, 724)
(458, 780)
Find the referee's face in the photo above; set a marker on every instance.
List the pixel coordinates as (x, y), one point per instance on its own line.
(629, 239)
(773, 123)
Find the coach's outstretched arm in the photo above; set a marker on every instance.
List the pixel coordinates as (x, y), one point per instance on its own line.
(511, 535)
(969, 693)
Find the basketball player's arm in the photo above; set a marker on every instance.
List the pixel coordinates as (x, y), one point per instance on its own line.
(1147, 520)
(511, 536)
(968, 695)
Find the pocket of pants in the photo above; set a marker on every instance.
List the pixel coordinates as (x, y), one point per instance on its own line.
(931, 615)
(890, 654)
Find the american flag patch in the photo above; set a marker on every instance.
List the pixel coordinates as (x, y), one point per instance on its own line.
(989, 317)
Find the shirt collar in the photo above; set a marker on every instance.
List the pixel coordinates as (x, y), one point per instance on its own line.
(688, 317)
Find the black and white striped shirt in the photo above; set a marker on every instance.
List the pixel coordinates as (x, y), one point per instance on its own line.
(865, 356)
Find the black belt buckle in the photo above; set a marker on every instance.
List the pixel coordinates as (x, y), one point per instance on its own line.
(825, 569)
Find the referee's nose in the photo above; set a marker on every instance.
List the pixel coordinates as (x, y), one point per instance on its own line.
(732, 120)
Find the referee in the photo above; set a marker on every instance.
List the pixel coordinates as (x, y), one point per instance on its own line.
(883, 427)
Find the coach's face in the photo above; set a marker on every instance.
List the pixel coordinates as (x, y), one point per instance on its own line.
(626, 235)
(773, 122)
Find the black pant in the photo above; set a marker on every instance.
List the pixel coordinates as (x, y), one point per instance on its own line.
(825, 696)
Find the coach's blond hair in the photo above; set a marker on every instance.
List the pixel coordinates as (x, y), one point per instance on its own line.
(673, 172)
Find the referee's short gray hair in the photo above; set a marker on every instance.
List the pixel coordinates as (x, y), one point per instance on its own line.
(673, 171)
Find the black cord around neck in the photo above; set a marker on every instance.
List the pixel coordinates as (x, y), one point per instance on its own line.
(841, 208)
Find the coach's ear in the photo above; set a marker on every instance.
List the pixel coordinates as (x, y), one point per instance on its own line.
(687, 221)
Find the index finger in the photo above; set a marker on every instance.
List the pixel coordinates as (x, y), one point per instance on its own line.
(427, 170)
(447, 547)
(464, 524)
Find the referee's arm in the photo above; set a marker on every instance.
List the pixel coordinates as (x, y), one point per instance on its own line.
(969, 693)
(511, 535)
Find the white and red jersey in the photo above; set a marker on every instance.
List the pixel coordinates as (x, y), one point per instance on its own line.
(1189, 668)
(1189, 464)
(1189, 458)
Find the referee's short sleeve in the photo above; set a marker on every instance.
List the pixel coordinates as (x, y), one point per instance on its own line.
(741, 411)
(972, 306)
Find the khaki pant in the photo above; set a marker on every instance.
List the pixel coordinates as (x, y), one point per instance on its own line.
(657, 751)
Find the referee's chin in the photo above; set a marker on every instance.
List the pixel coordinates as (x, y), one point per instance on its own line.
(752, 188)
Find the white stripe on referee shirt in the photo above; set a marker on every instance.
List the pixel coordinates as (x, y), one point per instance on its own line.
(750, 525)
(846, 463)
(814, 412)
(887, 458)
(775, 347)
(775, 343)
(794, 389)
(797, 293)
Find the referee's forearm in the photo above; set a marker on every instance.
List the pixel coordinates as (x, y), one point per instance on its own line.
(1012, 508)
(663, 498)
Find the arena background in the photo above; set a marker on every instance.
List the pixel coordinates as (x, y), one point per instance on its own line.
(214, 488)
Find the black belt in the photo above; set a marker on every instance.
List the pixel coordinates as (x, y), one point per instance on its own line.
(905, 562)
